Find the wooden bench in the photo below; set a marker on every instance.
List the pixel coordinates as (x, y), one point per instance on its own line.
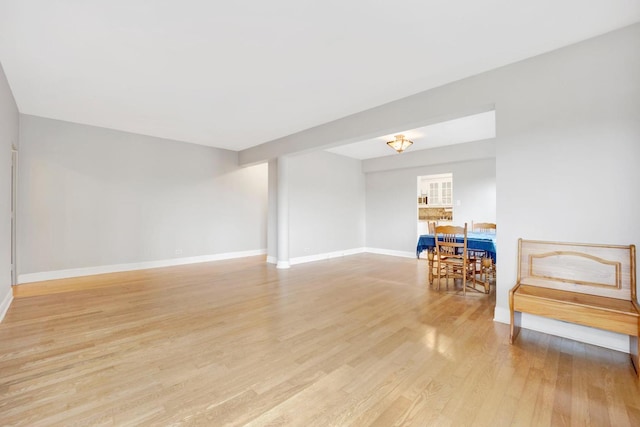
(591, 285)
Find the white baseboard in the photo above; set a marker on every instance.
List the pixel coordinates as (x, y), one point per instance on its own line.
(6, 302)
(347, 252)
(103, 269)
(572, 331)
(391, 252)
(502, 315)
(283, 265)
(325, 256)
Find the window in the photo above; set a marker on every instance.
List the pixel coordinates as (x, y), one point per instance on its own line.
(446, 193)
(434, 193)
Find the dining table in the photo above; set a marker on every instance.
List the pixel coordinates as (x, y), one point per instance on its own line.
(475, 241)
(485, 242)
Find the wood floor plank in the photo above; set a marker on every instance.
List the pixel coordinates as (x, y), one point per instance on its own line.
(354, 341)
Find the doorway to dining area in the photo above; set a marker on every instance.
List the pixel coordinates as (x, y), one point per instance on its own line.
(455, 194)
(435, 200)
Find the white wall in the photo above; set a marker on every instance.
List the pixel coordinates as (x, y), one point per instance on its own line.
(567, 149)
(97, 197)
(474, 186)
(568, 155)
(8, 137)
(326, 205)
(392, 205)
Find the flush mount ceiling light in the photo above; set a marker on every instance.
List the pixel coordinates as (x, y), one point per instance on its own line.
(400, 143)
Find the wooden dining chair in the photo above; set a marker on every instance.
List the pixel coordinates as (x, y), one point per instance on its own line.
(483, 227)
(432, 255)
(452, 256)
(484, 266)
(432, 227)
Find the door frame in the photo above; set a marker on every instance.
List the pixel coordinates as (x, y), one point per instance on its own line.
(14, 199)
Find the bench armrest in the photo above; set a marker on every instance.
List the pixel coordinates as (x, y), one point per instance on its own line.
(514, 318)
(515, 288)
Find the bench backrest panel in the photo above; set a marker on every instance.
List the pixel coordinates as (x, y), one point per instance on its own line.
(604, 270)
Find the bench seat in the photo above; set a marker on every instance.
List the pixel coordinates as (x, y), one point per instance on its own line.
(589, 310)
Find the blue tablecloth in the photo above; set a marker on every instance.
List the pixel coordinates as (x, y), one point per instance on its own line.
(476, 241)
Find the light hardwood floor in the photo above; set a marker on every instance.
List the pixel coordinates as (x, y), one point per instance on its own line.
(355, 341)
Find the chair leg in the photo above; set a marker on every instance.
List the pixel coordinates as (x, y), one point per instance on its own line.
(463, 270)
(446, 275)
(487, 271)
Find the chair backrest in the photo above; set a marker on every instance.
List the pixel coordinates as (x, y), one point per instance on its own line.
(447, 241)
(483, 227)
(432, 227)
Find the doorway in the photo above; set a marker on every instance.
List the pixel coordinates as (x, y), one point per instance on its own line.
(435, 201)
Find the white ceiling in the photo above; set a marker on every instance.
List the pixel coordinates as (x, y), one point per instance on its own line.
(457, 131)
(237, 74)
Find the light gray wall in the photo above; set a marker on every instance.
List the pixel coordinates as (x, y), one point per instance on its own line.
(326, 204)
(92, 197)
(569, 149)
(392, 204)
(9, 125)
(474, 186)
(567, 145)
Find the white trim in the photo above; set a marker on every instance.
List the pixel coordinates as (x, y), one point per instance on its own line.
(88, 271)
(14, 215)
(572, 331)
(6, 302)
(502, 315)
(390, 252)
(283, 264)
(347, 252)
(325, 256)
(104, 269)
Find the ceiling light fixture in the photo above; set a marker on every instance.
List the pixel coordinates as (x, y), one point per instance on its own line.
(400, 143)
